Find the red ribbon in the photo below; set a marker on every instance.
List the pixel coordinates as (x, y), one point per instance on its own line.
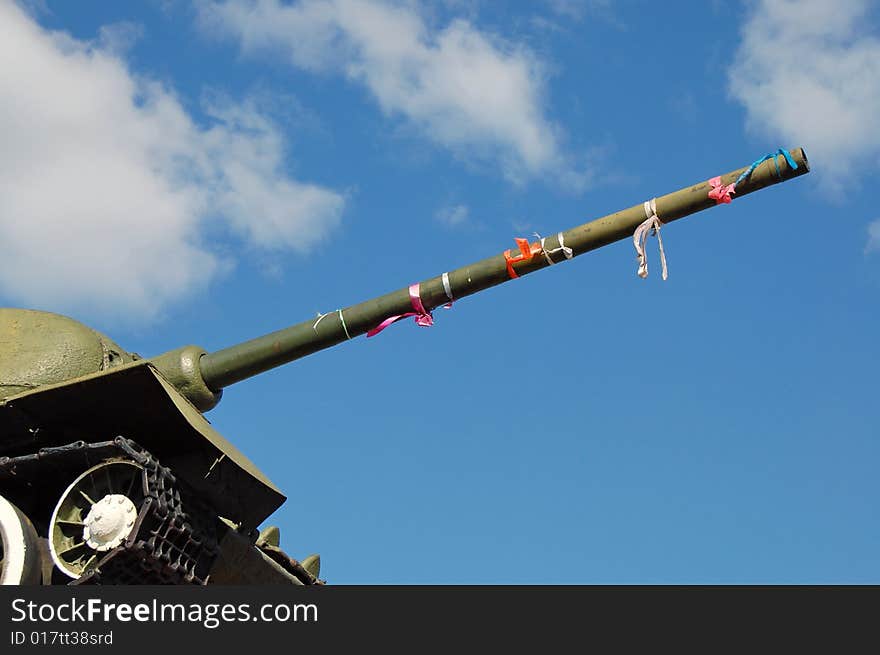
(526, 253)
(423, 317)
(720, 193)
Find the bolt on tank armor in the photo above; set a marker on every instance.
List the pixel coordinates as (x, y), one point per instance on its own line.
(110, 473)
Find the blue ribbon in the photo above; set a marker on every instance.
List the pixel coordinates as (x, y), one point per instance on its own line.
(781, 151)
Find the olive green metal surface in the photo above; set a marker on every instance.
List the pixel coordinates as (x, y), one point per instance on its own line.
(39, 348)
(230, 365)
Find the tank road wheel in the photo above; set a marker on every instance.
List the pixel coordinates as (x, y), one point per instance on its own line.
(20, 560)
(95, 514)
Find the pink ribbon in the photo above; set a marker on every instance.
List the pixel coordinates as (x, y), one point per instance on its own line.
(423, 318)
(720, 193)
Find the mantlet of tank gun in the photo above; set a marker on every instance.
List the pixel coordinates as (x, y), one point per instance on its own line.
(40, 348)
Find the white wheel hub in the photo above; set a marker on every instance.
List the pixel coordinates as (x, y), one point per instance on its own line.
(95, 514)
(109, 522)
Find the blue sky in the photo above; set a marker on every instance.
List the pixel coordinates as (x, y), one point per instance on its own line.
(204, 172)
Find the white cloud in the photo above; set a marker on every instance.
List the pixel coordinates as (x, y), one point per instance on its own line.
(107, 186)
(467, 90)
(453, 216)
(808, 73)
(575, 9)
(873, 236)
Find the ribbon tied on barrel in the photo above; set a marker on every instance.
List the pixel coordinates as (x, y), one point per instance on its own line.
(423, 317)
(721, 193)
(651, 225)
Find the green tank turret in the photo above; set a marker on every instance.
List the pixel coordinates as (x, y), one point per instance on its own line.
(110, 473)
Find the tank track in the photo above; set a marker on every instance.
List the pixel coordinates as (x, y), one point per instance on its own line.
(174, 539)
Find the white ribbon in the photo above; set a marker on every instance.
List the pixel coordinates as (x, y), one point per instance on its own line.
(345, 327)
(640, 237)
(446, 287)
(562, 248)
(341, 320)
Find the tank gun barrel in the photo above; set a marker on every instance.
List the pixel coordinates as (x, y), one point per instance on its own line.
(229, 365)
